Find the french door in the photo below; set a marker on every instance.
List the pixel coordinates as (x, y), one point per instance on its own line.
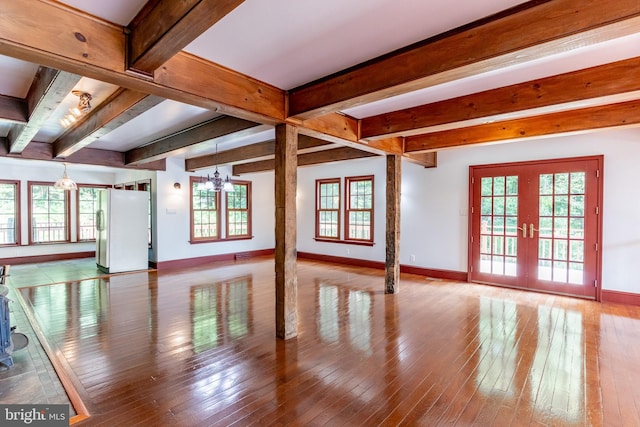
(537, 225)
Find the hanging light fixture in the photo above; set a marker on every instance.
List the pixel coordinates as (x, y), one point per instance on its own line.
(84, 106)
(83, 102)
(65, 183)
(216, 183)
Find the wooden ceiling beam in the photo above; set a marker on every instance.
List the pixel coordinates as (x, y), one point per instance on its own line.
(203, 132)
(86, 156)
(163, 28)
(599, 117)
(610, 82)
(48, 89)
(96, 49)
(428, 160)
(258, 152)
(529, 31)
(305, 159)
(13, 110)
(345, 130)
(122, 106)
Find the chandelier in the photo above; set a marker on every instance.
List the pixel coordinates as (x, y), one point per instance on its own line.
(216, 183)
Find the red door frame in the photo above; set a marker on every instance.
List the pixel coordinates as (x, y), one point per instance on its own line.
(541, 163)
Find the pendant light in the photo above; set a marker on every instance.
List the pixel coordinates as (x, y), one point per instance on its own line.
(65, 183)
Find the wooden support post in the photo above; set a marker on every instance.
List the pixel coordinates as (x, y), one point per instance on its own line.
(285, 200)
(392, 264)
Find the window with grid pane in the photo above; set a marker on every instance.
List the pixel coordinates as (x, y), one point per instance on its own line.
(359, 210)
(9, 217)
(205, 213)
(239, 210)
(87, 207)
(328, 208)
(48, 211)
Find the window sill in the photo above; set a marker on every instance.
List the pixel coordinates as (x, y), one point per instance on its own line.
(228, 239)
(61, 242)
(345, 242)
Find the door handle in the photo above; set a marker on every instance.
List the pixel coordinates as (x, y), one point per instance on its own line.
(531, 230)
(524, 230)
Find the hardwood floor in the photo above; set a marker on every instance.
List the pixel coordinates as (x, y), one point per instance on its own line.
(197, 347)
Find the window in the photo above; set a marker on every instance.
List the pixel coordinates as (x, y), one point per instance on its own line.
(9, 215)
(205, 213)
(48, 213)
(328, 208)
(359, 208)
(87, 207)
(239, 210)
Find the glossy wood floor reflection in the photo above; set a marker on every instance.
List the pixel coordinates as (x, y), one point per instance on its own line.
(196, 347)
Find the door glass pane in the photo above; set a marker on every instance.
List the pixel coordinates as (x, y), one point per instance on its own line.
(499, 218)
(498, 205)
(577, 228)
(486, 226)
(561, 227)
(485, 263)
(546, 227)
(498, 186)
(498, 225)
(544, 248)
(485, 244)
(544, 270)
(510, 265)
(561, 184)
(497, 266)
(512, 185)
(577, 183)
(486, 186)
(561, 206)
(560, 271)
(560, 250)
(487, 207)
(576, 252)
(546, 184)
(546, 205)
(512, 206)
(576, 205)
(576, 275)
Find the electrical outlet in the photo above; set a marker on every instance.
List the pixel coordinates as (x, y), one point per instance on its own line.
(412, 258)
(348, 251)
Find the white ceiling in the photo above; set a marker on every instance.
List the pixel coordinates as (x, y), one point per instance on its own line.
(291, 42)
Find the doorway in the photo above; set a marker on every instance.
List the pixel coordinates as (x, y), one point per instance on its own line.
(537, 225)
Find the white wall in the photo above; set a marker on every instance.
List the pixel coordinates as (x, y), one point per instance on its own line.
(434, 202)
(173, 215)
(306, 207)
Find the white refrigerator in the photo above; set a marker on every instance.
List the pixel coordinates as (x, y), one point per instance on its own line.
(121, 230)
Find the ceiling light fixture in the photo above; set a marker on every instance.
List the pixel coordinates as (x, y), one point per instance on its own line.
(65, 183)
(216, 183)
(84, 106)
